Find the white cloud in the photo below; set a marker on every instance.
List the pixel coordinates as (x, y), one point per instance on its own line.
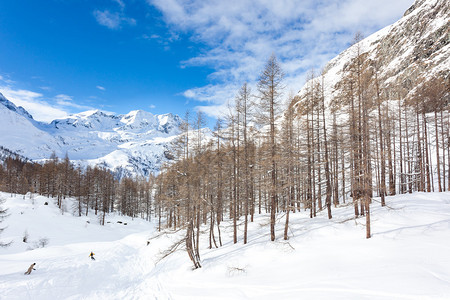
(215, 111)
(240, 35)
(60, 106)
(6, 80)
(189, 94)
(120, 3)
(100, 87)
(33, 102)
(151, 37)
(63, 100)
(112, 20)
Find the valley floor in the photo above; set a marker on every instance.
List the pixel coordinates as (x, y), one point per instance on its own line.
(408, 256)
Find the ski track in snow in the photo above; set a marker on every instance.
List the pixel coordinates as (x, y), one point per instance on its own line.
(406, 258)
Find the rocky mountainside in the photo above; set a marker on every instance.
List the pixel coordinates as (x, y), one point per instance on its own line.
(413, 49)
(136, 143)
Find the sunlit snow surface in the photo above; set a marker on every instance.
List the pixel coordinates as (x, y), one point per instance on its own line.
(408, 256)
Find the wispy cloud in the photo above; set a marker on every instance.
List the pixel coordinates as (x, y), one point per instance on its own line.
(240, 35)
(100, 87)
(34, 103)
(6, 80)
(120, 3)
(113, 20)
(151, 36)
(63, 100)
(42, 108)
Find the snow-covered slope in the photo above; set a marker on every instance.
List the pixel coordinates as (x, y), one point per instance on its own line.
(406, 258)
(137, 142)
(21, 134)
(6, 153)
(417, 45)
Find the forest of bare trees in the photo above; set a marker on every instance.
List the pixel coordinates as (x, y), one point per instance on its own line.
(96, 190)
(365, 143)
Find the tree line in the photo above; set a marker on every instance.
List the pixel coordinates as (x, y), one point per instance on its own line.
(367, 140)
(96, 190)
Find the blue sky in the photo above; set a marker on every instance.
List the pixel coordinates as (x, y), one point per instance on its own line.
(59, 57)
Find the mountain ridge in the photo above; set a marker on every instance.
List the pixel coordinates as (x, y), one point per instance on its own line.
(409, 51)
(136, 143)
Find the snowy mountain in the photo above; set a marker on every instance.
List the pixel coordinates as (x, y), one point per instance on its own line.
(20, 133)
(11, 106)
(417, 46)
(136, 143)
(6, 153)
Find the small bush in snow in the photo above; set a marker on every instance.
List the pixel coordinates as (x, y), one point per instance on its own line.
(43, 242)
(25, 236)
(40, 244)
(234, 271)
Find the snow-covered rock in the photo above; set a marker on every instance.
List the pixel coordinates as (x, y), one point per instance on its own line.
(416, 46)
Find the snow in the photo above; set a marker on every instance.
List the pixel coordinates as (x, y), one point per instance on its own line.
(92, 137)
(113, 160)
(18, 130)
(406, 258)
(404, 36)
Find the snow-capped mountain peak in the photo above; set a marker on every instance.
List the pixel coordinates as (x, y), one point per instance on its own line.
(139, 118)
(11, 106)
(136, 143)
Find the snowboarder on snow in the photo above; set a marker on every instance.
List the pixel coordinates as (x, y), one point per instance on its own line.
(91, 255)
(31, 268)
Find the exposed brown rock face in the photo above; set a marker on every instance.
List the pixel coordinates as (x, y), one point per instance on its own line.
(407, 52)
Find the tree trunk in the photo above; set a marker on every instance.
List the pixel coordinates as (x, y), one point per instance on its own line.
(438, 163)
